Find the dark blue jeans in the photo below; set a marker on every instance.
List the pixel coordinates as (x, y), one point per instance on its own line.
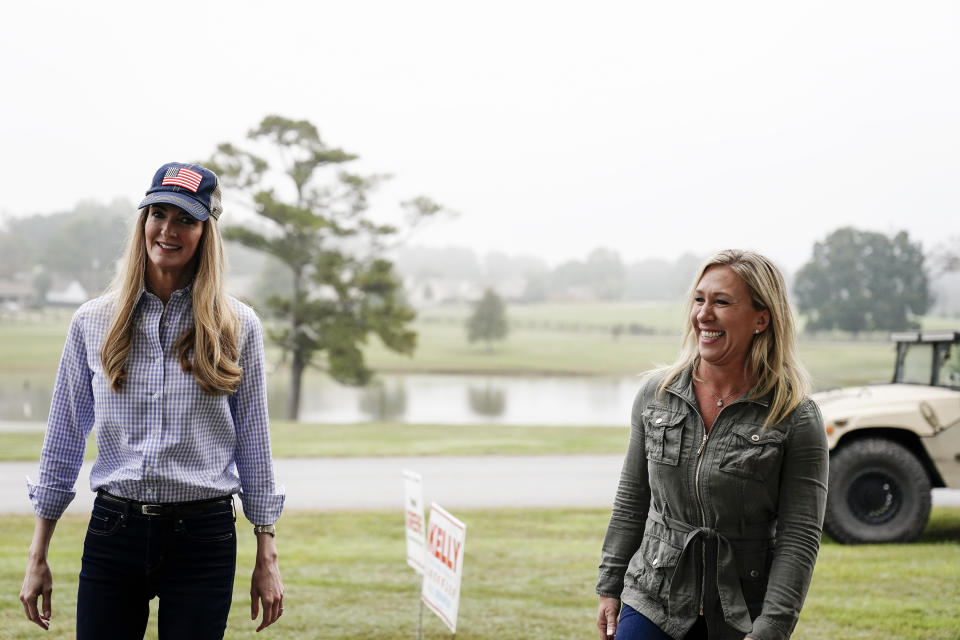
(128, 558)
(633, 625)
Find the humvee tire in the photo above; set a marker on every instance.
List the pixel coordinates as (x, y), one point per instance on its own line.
(878, 492)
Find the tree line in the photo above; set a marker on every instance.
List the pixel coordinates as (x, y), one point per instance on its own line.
(601, 275)
(336, 271)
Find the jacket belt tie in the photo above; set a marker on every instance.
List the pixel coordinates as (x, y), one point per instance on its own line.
(728, 577)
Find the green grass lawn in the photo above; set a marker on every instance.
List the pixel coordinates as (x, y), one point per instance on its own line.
(443, 349)
(304, 440)
(657, 317)
(527, 574)
(30, 350)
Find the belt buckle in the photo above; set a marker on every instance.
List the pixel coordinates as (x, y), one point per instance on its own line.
(151, 509)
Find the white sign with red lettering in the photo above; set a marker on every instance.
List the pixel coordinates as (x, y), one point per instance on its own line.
(444, 565)
(413, 515)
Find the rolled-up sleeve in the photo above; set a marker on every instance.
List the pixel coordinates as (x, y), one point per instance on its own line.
(803, 501)
(71, 419)
(630, 506)
(262, 498)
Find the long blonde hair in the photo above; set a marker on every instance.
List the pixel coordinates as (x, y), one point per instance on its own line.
(209, 348)
(773, 355)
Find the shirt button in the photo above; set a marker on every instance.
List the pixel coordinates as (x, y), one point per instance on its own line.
(166, 324)
(656, 560)
(754, 573)
(156, 396)
(149, 469)
(659, 420)
(754, 437)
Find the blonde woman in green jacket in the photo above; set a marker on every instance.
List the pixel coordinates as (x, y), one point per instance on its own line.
(717, 519)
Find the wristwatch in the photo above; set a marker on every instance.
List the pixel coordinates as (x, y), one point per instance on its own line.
(265, 528)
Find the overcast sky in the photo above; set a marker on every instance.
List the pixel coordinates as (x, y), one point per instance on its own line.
(651, 128)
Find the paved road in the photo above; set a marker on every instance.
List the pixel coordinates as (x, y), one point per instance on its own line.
(375, 483)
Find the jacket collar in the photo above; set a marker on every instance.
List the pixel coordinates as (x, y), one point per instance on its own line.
(682, 386)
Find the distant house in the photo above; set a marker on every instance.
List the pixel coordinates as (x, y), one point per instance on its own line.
(72, 295)
(512, 288)
(429, 291)
(16, 295)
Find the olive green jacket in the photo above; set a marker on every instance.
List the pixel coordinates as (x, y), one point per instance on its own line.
(727, 523)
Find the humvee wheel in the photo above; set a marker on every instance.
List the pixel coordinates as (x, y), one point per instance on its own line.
(878, 492)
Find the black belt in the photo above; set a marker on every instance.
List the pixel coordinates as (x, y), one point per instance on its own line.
(171, 509)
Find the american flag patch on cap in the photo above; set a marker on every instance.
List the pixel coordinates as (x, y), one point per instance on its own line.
(182, 177)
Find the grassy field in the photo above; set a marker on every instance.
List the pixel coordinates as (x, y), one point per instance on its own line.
(527, 574)
(654, 317)
(30, 350)
(304, 440)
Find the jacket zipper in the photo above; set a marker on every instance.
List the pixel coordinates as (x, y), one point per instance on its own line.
(703, 515)
(696, 483)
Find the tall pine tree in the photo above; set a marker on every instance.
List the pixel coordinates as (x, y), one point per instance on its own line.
(343, 287)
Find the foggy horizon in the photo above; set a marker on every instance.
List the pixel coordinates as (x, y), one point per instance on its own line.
(651, 130)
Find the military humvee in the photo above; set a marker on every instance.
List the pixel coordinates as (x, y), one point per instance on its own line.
(891, 443)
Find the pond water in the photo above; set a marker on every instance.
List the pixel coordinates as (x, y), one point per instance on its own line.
(425, 399)
(473, 399)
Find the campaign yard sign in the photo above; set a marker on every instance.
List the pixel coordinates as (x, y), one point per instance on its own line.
(413, 515)
(443, 566)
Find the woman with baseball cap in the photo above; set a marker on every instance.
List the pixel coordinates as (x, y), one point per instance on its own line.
(169, 370)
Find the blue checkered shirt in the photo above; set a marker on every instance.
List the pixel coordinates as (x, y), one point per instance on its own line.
(161, 439)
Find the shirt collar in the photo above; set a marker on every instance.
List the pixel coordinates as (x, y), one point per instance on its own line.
(179, 294)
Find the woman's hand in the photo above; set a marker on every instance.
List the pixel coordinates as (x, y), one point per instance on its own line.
(265, 584)
(607, 612)
(38, 581)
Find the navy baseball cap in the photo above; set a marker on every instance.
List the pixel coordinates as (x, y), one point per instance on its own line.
(193, 188)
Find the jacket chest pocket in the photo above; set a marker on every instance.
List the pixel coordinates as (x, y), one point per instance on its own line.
(663, 429)
(752, 452)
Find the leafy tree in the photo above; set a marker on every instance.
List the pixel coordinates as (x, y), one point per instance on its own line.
(945, 257)
(488, 322)
(499, 267)
(343, 289)
(42, 282)
(18, 255)
(81, 244)
(863, 281)
(600, 276)
(656, 279)
(85, 245)
(537, 288)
